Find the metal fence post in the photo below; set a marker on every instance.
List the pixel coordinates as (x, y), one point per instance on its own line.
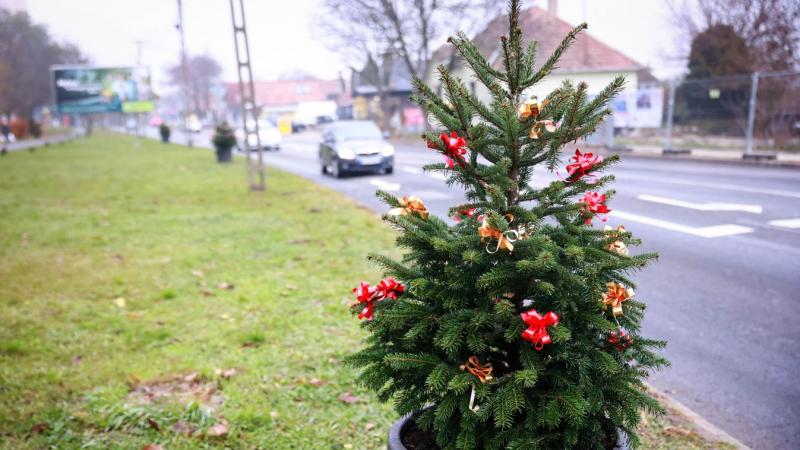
(751, 113)
(670, 113)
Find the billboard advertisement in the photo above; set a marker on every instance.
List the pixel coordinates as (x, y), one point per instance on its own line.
(85, 89)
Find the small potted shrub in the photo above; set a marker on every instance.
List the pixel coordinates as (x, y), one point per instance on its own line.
(165, 132)
(224, 140)
(513, 325)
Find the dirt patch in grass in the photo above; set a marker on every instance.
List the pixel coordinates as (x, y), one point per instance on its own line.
(183, 389)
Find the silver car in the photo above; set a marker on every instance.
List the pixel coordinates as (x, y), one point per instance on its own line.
(355, 146)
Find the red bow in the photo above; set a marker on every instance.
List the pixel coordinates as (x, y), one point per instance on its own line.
(390, 288)
(368, 295)
(621, 340)
(582, 163)
(594, 203)
(469, 212)
(455, 149)
(537, 327)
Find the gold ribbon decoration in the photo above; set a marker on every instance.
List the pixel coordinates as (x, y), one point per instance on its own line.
(617, 246)
(482, 371)
(615, 295)
(410, 205)
(531, 108)
(536, 129)
(486, 231)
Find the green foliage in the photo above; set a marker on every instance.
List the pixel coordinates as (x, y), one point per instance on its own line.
(464, 300)
(224, 137)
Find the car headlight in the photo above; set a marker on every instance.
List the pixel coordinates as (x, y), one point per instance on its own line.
(387, 150)
(345, 153)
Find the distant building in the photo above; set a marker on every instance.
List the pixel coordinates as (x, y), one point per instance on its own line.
(282, 97)
(587, 60)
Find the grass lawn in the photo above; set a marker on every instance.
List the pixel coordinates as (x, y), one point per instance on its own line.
(147, 297)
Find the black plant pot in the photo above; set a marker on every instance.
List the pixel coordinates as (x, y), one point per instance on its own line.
(165, 139)
(396, 432)
(224, 154)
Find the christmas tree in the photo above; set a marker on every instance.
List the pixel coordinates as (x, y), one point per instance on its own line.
(515, 325)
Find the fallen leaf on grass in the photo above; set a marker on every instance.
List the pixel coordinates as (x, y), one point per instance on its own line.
(273, 414)
(153, 424)
(368, 426)
(218, 430)
(299, 241)
(77, 359)
(291, 287)
(316, 382)
(314, 210)
(207, 293)
(120, 302)
(225, 285)
(348, 397)
(198, 273)
(133, 315)
(118, 257)
(182, 427)
(152, 447)
(249, 345)
(38, 428)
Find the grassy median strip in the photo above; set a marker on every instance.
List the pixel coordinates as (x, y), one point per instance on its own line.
(147, 297)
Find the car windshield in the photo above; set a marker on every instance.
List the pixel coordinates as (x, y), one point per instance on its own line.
(356, 132)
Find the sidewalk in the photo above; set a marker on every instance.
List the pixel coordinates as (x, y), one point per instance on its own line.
(30, 144)
(786, 159)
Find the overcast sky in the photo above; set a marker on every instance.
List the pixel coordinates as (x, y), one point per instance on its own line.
(281, 38)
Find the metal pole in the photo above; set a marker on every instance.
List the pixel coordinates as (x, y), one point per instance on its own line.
(751, 113)
(185, 76)
(670, 113)
(247, 100)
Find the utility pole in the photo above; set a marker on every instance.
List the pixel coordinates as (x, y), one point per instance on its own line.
(247, 99)
(751, 114)
(185, 76)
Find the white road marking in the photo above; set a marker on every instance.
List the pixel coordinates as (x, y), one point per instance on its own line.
(438, 176)
(723, 186)
(706, 232)
(414, 170)
(711, 206)
(384, 185)
(786, 223)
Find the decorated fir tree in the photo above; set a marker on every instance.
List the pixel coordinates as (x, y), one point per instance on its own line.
(515, 325)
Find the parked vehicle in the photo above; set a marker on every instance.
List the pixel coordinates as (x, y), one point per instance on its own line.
(268, 134)
(355, 146)
(193, 124)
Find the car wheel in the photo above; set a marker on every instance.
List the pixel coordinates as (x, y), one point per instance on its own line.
(323, 168)
(389, 170)
(336, 169)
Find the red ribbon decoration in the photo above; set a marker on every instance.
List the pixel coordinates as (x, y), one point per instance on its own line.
(390, 288)
(594, 203)
(581, 164)
(621, 340)
(537, 327)
(455, 149)
(469, 212)
(368, 295)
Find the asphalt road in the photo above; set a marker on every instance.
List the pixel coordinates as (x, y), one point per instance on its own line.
(725, 292)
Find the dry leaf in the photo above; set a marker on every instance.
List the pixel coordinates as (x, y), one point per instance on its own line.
(218, 430)
(249, 345)
(120, 302)
(191, 378)
(133, 314)
(291, 287)
(368, 426)
(118, 257)
(152, 447)
(273, 414)
(198, 273)
(77, 359)
(348, 397)
(348, 445)
(153, 424)
(182, 427)
(316, 382)
(207, 293)
(227, 373)
(38, 428)
(225, 285)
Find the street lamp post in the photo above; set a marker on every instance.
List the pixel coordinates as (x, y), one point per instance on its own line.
(185, 76)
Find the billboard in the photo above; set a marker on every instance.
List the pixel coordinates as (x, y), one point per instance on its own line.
(85, 89)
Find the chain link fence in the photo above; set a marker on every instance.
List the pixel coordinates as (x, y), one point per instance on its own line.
(757, 114)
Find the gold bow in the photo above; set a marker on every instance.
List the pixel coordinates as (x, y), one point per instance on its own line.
(486, 231)
(531, 108)
(617, 246)
(536, 128)
(616, 294)
(474, 366)
(410, 205)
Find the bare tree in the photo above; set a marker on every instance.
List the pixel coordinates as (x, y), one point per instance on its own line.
(203, 73)
(771, 28)
(375, 34)
(26, 54)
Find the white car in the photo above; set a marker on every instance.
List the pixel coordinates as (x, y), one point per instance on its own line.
(268, 134)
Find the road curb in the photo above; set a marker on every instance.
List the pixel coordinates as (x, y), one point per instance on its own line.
(703, 427)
